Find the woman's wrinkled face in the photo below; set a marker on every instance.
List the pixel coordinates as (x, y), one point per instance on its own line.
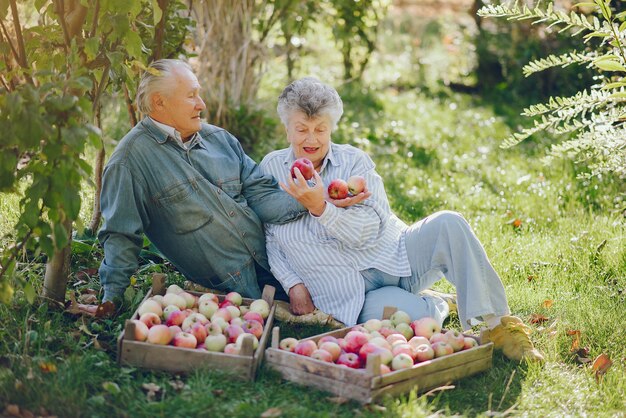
(309, 137)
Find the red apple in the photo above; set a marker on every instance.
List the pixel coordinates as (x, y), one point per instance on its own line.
(233, 311)
(185, 340)
(305, 166)
(253, 327)
(176, 318)
(350, 360)
(425, 327)
(234, 297)
(254, 316)
(322, 355)
(231, 348)
(208, 296)
(150, 319)
(192, 319)
(372, 349)
(141, 329)
(159, 334)
(327, 338)
(404, 348)
(442, 349)
(394, 338)
(232, 332)
(354, 340)
(199, 331)
(424, 352)
(332, 347)
(356, 184)
(469, 342)
(288, 344)
(415, 341)
(437, 337)
(222, 313)
(455, 339)
(338, 189)
(401, 361)
(305, 348)
(175, 329)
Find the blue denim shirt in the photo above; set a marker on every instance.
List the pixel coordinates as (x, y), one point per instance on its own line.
(203, 208)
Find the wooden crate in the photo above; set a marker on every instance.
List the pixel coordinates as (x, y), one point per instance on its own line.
(367, 385)
(177, 359)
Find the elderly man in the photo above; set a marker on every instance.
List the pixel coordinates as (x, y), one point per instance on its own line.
(191, 189)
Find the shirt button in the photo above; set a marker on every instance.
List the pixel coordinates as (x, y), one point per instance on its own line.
(253, 252)
(243, 234)
(232, 213)
(219, 191)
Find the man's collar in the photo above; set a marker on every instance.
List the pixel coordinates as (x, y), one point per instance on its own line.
(161, 132)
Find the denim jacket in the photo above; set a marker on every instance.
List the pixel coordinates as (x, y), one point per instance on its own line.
(203, 208)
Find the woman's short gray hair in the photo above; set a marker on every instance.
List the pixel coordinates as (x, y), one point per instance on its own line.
(311, 97)
(157, 78)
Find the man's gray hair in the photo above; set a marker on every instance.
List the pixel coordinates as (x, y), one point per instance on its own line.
(311, 97)
(157, 78)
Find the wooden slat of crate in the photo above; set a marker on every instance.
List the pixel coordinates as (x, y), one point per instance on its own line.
(320, 378)
(280, 359)
(434, 379)
(176, 359)
(438, 365)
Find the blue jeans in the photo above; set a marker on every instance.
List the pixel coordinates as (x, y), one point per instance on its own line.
(382, 289)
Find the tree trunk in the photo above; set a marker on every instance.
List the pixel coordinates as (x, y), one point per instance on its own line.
(58, 270)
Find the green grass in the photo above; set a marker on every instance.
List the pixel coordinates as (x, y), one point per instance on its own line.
(435, 151)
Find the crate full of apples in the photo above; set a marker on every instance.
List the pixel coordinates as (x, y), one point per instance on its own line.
(380, 357)
(177, 330)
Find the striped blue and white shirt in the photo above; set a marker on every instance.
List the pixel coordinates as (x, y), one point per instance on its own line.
(326, 253)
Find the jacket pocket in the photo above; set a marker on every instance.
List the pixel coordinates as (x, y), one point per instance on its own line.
(183, 208)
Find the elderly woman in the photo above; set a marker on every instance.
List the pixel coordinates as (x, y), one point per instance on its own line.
(350, 260)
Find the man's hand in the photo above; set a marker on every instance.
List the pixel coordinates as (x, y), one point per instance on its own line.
(300, 300)
(311, 197)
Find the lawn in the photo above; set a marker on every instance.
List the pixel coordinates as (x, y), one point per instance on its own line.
(563, 265)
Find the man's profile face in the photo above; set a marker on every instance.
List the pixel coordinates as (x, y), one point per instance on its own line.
(180, 106)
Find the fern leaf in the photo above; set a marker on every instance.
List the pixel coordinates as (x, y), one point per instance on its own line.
(558, 61)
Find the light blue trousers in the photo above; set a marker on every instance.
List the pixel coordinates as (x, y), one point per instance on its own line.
(442, 245)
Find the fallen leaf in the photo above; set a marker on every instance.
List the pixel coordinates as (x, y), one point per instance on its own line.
(73, 305)
(547, 303)
(111, 387)
(177, 384)
(272, 412)
(575, 341)
(538, 319)
(517, 223)
(12, 410)
(217, 392)
(376, 408)
(88, 299)
(601, 364)
(47, 367)
(105, 309)
(84, 329)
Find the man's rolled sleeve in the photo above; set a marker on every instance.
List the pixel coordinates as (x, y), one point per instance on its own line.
(122, 233)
